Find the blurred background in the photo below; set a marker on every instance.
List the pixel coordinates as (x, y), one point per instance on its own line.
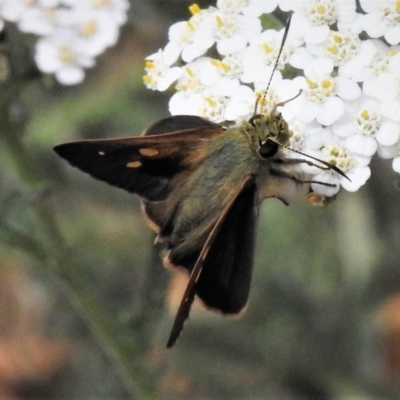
(86, 306)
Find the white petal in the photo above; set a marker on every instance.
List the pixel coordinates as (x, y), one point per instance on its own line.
(370, 6)
(308, 111)
(389, 133)
(300, 58)
(323, 189)
(391, 110)
(357, 177)
(70, 76)
(393, 35)
(373, 24)
(225, 86)
(231, 45)
(171, 76)
(171, 53)
(330, 111)
(396, 164)
(387, 87)
(346, 10)
(317, 34)
(241, 104)
(387, 152)
(191, 52)
(344, 127)
(182, 103)
(347, 89)
(318, 67)
(363, 145)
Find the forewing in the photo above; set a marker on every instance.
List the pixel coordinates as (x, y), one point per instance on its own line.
(159, 214)
(179, 123)
(221, 274)
(144, 165)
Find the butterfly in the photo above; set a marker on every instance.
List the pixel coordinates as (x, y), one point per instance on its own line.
(201, 185)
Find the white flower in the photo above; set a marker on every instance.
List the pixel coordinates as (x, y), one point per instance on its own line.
(388, 152)
(328, 114)
(213, 107)
(335, 152)
(323, 95)
(232, 6)
(206, 104)
(201, 87)
(396, 164)
(241, 104)
(313, 17)
(260, 56)
(230, 66)
(389, 89)
(185, 103)
(232, 32)
(62, 55)
(305, 137)
(346, 50)
(255, 8)
(377, 77)
(73, 31)
(159, 74)
(14, 10)
(197, 75)
(191, 38)
(382, 19)
(364, 127)
(96, 29)
(40, 21)
(116, 9)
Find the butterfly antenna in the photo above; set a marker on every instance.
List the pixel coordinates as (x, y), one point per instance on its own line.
(285, 34)
(326, 163)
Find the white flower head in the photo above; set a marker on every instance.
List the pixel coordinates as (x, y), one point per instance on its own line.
(347, 51)
(335, 152)
(192, 38)
(159, 74)
(323, 94)
(396, 164)
(62, 55)
(96, 29)
(72, 32)
(313, 17)
(232, 31)
(15, 10)
(364, 127)
(382, 19)
(260, 57)
(40, 20)
(227, 68)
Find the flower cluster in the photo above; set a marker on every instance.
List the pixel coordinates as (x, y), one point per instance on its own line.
(222, 59)
(72, 33)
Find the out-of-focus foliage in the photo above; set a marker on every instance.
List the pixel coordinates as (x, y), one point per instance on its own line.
(86, 307)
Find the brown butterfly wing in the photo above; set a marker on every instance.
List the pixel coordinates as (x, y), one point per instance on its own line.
(222, 270)
(159, 214)
(144, 165)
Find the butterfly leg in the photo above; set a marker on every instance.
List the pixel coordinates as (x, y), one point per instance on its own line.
(283, 174)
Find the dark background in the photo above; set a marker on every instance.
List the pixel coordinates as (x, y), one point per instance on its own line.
(85, 304)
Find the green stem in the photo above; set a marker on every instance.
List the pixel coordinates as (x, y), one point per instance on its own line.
(53, 254)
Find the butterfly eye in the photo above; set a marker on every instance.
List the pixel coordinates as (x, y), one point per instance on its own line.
(268, 149)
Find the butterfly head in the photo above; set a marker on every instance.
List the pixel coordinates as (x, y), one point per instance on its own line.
(270, 132)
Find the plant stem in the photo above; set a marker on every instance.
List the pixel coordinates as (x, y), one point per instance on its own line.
(52, 252)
